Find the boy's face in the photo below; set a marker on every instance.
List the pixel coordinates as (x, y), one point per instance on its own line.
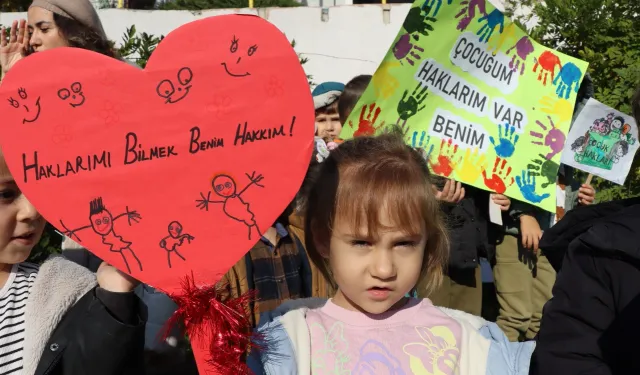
(374, 274)
(21, 225)
(329, 126)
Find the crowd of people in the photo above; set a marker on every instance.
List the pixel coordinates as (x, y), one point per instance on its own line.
(373, 268)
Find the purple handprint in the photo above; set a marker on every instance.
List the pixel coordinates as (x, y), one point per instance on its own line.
(469, 11)
(404, 49)
(554, 139)
(524, 48)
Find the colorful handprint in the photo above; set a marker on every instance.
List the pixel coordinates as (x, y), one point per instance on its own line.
(384, 82)
(409, 106)
(367, 123)
(527, 185)
(496, 42)
(468, 10)
(545, 168)
(547, 61)
(493, 19)
(506, 145)
(444, 164)
(470, 167)
(405, 50)
(500, 173)
(422, 145)
(554, 139)
(569, 76)
(435, 5)
(418, 22)
(523, 48)
(559, 107)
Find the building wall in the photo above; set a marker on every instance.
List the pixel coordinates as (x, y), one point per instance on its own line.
(340, 42)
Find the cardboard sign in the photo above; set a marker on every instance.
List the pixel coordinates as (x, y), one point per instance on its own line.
(168, 171)
(490, 105)
(602, 142)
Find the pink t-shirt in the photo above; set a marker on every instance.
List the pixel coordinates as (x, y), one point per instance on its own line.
(418, 339)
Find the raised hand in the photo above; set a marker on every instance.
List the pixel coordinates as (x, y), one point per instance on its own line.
(452, 192)
(203, 203)
(545, 168)
(558, 107)
(367, 122)
(15, 48)
(493, 19)
(468, 10)
(132, 216)
(554, 138)
(500, 174)
(444, 164)
(255, 179)
(527, 185)
(409, 106)
(523, 48)
(506, 145)
(418, 22)
(569, 77)
(470, 166)
(547, 61)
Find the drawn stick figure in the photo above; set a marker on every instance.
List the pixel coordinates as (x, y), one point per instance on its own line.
(102, 224)
(175, 240)
(233, 204)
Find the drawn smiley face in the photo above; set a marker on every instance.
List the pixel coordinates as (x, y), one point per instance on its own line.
(102, 222)
(33, 113)
(236, 70)
(175, 229)
(76, 95)
(175, 93)
(224, 186)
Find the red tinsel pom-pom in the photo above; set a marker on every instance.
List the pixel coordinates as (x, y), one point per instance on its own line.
(209, 313)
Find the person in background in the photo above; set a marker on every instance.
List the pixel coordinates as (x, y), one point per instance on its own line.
(353, 90)
(590, 324)
(75, 23)
(325, 99)
(523, 276)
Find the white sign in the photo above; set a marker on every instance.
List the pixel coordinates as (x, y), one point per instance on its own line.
(602, 141)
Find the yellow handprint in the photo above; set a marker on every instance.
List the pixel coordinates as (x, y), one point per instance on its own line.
(384, 82)
(470, 166)
(559, 107)
(498, 40)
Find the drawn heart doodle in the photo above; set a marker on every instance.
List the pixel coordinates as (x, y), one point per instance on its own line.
(168, 189)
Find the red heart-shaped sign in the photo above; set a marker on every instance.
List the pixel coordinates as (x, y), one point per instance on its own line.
(174, 169)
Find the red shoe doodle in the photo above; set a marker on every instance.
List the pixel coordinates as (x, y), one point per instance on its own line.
(444, 164)
(547, 61)
(498, 177)
(367, 124)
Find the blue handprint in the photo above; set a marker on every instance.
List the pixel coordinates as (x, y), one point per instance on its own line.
(507, 143)
(421, 145)
(493, 19)
(527, 185)
(569, 74)
(429, 4)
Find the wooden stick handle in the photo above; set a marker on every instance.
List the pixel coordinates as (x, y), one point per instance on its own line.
(589, 178)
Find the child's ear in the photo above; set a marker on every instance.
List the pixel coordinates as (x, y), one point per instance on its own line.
(323, 251)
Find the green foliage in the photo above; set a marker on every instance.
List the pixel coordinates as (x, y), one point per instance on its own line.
(138, 47)
(14, 5)
(217, 4)
(50, 243)
(606, 33)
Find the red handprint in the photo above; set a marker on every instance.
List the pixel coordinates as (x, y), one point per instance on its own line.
(548, 61)
(366, 125)
(498, 177)
(444, 164)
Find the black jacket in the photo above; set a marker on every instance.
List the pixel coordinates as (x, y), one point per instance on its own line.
(590, 326)
(73, 327)
(469, 229)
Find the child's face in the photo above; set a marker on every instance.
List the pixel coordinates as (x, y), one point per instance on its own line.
(21, 225)
(619, 151)
(616, 124)
(329, 126)
(374, 274)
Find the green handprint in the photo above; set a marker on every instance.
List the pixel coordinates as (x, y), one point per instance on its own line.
(545, 168)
